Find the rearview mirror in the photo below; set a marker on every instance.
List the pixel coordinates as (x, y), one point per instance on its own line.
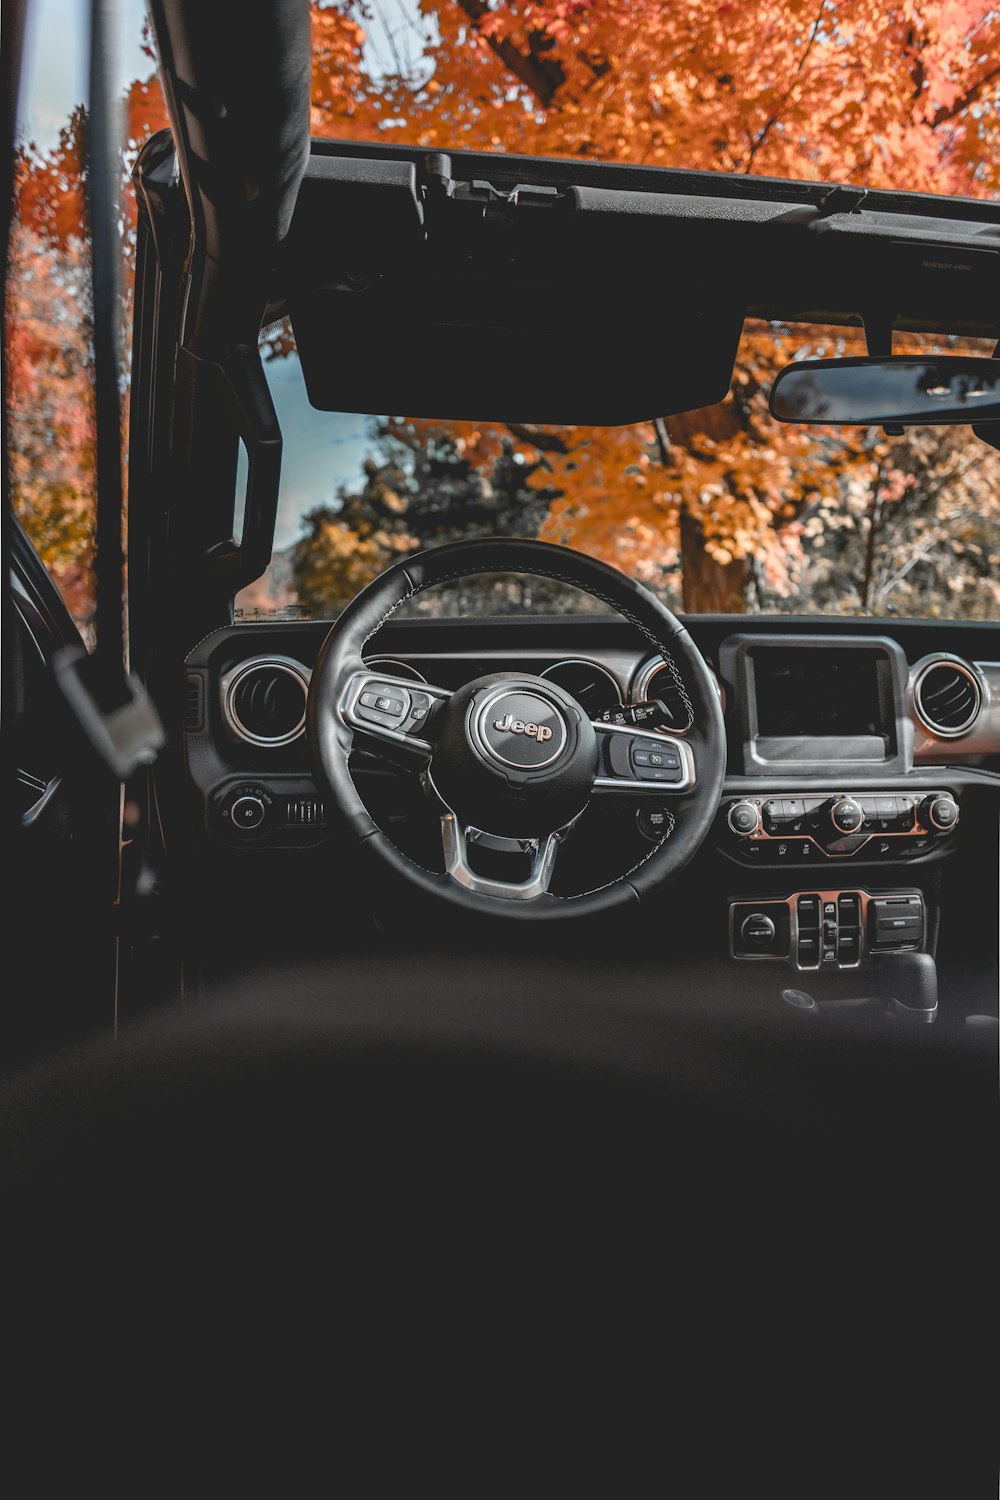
(932, 390)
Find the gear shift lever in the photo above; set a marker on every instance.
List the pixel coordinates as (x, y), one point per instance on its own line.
(907, 986)
(908, 982)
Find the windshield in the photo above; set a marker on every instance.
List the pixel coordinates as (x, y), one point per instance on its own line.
(716, 511)
(721, 510)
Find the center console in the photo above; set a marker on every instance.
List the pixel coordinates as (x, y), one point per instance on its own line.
(821, 739)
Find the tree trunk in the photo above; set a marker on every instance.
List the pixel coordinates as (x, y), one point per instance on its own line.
(710, 587)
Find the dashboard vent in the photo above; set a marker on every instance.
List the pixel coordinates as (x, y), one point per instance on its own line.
(264, 700)
(947, 698)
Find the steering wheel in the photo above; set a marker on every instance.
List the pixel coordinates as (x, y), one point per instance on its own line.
(512, 760)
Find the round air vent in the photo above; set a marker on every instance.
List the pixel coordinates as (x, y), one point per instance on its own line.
(947, 698)
(264, 700)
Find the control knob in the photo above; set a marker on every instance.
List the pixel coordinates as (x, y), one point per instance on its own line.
(744, 818)
(940, 811)
(247, 809)
(846, 815)
(247, 813)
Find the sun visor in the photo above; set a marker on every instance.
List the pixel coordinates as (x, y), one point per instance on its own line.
(530, 305)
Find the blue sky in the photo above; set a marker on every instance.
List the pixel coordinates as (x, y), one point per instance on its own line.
(55, 62)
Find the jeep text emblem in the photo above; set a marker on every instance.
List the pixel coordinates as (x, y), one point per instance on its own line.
(520, 727)
(539, 732)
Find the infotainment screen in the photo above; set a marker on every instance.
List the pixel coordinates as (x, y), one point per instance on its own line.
(817, 704)
(819, 693)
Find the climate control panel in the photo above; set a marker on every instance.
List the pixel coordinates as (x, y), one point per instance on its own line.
(833, 825)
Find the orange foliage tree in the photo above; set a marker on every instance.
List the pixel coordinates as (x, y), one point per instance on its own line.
(899, 95)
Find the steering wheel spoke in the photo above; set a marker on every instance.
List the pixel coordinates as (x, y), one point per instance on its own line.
(399, 715)
(456, 838)
(642, 762)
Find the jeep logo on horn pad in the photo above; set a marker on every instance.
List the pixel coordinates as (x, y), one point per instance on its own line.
(539, 732)
(520, 728)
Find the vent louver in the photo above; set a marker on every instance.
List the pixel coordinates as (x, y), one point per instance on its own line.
(947, 698)
(265, 700)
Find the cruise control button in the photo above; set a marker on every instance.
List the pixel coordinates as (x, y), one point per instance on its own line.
(662, 773)
(640, 757)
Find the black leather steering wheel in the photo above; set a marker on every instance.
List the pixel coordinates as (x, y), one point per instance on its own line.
(512, 758)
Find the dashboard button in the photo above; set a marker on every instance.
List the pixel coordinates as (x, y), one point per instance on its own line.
(653, 822)
(848, 845)
(774, 814)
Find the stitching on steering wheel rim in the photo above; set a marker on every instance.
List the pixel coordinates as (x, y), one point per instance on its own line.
(535, 572)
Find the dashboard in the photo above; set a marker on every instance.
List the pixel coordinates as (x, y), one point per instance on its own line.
(860, 756)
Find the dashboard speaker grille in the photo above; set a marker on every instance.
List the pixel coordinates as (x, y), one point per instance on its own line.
(947, 698)
(265, 701)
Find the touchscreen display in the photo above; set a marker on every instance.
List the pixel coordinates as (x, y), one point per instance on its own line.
(817, 692)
